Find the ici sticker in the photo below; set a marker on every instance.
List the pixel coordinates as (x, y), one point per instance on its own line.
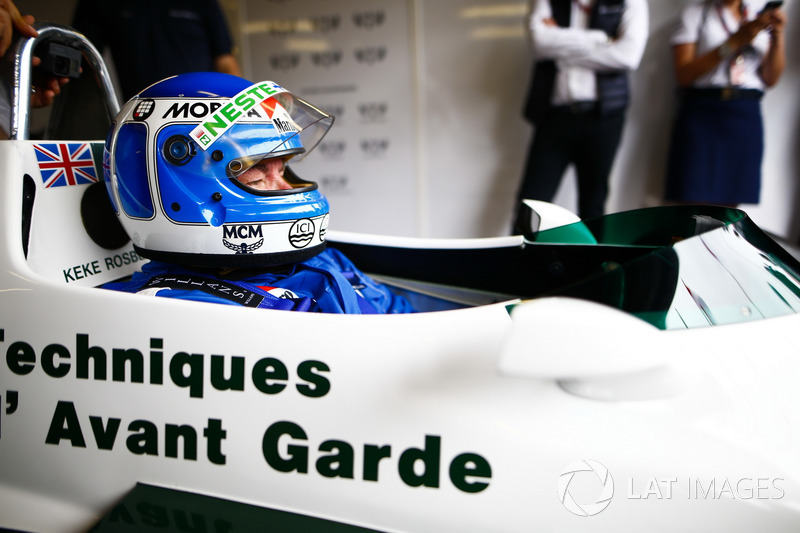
(301, 233)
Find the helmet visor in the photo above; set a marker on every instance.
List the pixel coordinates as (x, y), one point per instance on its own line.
(262, 121)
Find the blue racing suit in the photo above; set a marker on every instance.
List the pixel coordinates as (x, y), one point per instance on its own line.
(328, 283)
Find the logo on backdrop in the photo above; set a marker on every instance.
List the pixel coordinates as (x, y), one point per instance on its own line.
(335, 110)
(371, 54)
(368, 20)
(326, 59)
(372, 148)
(373, 111)
(585, 487)
(334, 183)
(325, 24)
(332, 149)
(284, 61)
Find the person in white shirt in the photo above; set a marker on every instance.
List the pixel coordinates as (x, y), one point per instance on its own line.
(584, 50)
(726, 54)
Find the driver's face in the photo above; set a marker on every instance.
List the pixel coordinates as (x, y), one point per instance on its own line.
(267, 175)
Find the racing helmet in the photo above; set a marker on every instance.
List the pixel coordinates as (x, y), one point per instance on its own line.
(180, 161)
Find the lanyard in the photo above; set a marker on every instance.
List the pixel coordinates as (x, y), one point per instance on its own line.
(736, 64)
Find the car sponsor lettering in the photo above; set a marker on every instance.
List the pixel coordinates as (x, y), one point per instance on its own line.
(98, 266)
(416, 467)
(143, 436)
(190, 371)
(286, 447)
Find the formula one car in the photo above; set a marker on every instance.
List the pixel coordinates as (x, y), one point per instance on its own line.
(633, 372)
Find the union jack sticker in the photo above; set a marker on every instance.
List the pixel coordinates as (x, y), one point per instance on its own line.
(63, 164)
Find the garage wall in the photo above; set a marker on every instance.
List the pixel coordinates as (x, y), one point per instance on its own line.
(429, 139)
(355, 60)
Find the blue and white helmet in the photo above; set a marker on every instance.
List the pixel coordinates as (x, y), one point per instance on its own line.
(176, 158)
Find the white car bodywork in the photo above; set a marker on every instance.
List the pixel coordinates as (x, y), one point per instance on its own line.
(474, 419)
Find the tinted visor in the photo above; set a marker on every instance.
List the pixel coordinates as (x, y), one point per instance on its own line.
(280, 126)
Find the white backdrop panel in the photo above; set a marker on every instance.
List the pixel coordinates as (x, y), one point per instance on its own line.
(352, 59)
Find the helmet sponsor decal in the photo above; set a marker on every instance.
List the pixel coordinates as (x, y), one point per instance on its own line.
(301, 233)
(243, 238)
(229, 113)
(144, 109)
(323, 227)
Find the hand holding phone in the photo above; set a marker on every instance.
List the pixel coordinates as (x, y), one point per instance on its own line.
(772, 4)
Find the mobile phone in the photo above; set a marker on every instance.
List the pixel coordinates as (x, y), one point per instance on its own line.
(772, 4)
(60, 61)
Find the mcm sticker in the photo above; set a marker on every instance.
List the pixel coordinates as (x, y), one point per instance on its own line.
(144, 109)
(370, 55)
(242, 238)
(326, 59)
(301, 233)
(368, 20)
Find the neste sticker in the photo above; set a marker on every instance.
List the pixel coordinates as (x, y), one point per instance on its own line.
(237, 107)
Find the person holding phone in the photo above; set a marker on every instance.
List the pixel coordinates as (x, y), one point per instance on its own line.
(726, 53)
(44, 91)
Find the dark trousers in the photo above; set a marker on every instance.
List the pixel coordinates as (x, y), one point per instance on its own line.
(579, 136)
